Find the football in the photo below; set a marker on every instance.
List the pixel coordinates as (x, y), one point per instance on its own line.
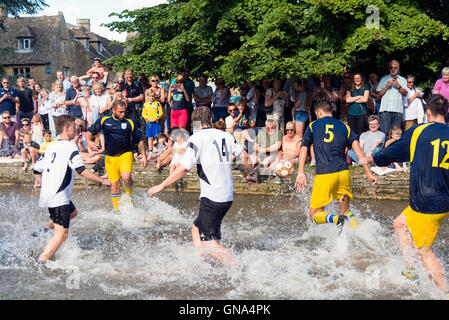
(284, 168)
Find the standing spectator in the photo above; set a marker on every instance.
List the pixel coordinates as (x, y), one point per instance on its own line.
(117, 94)
(329, 92)
(413, 106)
(9, 97)
(203, 93)
(346, 84)
(373, 81)
(143, 80)
(134, 94)
(152, 112)
(189, 85)
(178, 98)
(357, 97)
(65, 83)
(300, 114)
(26, 108)
(252, 101)
(72, 99)
(85, 101)
(98, 103)
(160, 97)
(220, 100)
(391, 89)
(278, 99)
(57, 99)
(36, 92)
(261, 109)
(442, 85)
(45, 107)
(11, 136)
(31, 83)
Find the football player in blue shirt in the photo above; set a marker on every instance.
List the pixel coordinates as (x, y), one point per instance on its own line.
(426, 146)
(330, 138)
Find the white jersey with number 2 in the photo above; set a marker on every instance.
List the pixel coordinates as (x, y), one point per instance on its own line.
(212, 150)
(56, 166)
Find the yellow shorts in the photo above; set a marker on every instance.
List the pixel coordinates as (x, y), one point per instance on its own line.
(116, 165)
(423, 226)
(330, 186)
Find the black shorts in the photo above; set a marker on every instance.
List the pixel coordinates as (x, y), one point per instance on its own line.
(61, 215)
(209, 218)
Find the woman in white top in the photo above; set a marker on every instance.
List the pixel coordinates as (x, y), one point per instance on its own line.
(57, 98)
(98, 102)
(413, 107)
(45, 107)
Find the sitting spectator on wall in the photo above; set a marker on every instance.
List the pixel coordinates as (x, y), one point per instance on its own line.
(9, 97)
(37, 128)
(161, 143)
(29, 151)
(11, 137)
(371, 141)
(72, 99)
(47, 141)
(203, 93)
(291, 144)
(266, 147)
(396, 134)
(413, 106)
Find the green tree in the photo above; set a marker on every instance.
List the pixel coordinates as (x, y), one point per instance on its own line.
(17, 7)
(242, 40)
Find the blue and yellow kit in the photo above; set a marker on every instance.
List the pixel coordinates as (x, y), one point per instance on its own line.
(426, 146)
(329, 137)
(120, 136)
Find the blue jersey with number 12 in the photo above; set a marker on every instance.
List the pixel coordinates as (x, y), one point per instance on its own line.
(329, 137)
(426, 146)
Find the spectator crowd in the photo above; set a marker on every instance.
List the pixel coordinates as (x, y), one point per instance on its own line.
(268, 117)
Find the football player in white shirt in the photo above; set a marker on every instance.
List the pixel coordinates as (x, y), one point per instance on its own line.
(55, 169)
(212, 151)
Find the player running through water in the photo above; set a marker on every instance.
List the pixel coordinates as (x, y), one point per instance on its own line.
(120, 135)
(426, 146)
(212, 151)
(55, 170)
(330, 137)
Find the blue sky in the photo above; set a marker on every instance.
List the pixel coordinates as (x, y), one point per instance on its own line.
(95, 10)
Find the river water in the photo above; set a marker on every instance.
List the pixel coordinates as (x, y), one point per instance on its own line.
(132, 256)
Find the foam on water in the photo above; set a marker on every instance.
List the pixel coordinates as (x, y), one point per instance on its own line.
(125, 256)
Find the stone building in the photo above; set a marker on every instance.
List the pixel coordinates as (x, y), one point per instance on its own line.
(39, 46)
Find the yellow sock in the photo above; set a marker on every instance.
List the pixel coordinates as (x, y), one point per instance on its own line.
(115, 198)
(324, 217)
(352, 219)
(128, 189)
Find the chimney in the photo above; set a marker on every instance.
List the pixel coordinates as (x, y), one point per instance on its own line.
(85, 23)
(3, 12)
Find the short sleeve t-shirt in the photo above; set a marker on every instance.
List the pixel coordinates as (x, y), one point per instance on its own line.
(203, 93)
(8, 104)
(212, 151)
(369, 139)
(355, 108)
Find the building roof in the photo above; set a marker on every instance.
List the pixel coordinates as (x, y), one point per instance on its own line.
(40, 29)
(43, 34)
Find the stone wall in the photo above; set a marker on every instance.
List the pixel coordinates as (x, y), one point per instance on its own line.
(393, 186)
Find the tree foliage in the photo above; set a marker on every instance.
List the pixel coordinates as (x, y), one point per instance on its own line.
(242, 40)
(16, 7)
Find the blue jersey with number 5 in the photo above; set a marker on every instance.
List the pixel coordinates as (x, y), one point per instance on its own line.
(329, 137)
(426, 146)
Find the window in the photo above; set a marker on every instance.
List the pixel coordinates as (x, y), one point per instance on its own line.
(63, 46)
(100, 47)
(86, 44)
(22, 71)
(24, 44)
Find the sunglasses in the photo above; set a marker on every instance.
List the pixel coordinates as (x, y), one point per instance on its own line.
(5, 82)
(410, 81)
(25, 124)
(231, 110)
(6, 117)
(289, 130)
(154, 80)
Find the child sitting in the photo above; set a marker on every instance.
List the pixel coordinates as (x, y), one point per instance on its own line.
(30, 151)
(396, 134)
(47, 141)
(179, 147)
(158, 148)
(152, 112)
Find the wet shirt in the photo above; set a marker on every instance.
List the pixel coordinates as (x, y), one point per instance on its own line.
(329, 137)
(120, 136)
(426, 146)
